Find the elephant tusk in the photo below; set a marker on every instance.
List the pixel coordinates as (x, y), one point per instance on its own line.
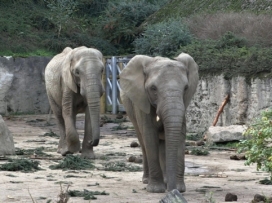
(157, 118)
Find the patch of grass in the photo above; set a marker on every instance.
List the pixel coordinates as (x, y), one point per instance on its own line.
(37, 151)
(193, 136)
(11, 175)
(199, 152)
(232, 145)
(71, 162)
(24, 165)
(86, 194)
(266, 182)
(120, 166)
(119, 127)
(50, 134)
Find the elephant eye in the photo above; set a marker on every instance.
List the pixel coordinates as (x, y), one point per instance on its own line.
(77, 72)
(153, 88)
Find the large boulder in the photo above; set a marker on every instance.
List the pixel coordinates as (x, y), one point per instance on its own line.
(6, 139)
(225, 134)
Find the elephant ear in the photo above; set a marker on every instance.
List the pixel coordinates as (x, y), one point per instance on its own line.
(192, 75)
(132, 81)
(67, 71)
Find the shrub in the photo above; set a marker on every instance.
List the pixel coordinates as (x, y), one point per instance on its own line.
(258, 146)
(120, 19)
(254, 28)
(163, 38)
(230, 56)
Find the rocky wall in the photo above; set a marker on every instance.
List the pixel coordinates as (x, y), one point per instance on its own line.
(247, 100)
(22, 88)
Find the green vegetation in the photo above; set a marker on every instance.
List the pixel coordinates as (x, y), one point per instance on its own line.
(258, 146)
(230, 55)
(86, 194)
(229, 37)
(199, 152)
(23, 165)
(37, 151)
(163, 38)
(71, 162)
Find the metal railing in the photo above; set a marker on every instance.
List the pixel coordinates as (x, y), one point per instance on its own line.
(114, 66)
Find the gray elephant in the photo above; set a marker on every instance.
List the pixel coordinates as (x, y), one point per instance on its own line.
(73, 85)
(156, 92)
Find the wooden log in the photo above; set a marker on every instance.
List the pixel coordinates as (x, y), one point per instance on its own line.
(173, 197)
(220, 110)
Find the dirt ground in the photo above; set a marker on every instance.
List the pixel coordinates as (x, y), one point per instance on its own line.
(208, 178)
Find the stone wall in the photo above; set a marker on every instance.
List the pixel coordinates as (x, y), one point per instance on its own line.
(22, 90)
(246, 101)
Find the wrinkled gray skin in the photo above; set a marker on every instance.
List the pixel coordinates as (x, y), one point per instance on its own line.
(161, 88)
(73, 85)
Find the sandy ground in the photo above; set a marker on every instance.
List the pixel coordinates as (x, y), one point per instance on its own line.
(208, 178)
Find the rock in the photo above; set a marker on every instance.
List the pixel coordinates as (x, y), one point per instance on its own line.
(131, 159)
(225, 134)
(238, 157)
(119, 116)
(231, 197)
(173, 196)
(259, 198)
(6, 139)
(200, 143)
(134, 144)
(138, 160)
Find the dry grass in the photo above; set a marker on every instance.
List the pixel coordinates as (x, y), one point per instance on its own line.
(255, 28)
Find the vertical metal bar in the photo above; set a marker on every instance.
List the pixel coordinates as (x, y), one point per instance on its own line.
(108, 85)
(114, 84)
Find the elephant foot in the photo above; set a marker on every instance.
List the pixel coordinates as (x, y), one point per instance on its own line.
(181, 187)
(156, 187)
(145, 180)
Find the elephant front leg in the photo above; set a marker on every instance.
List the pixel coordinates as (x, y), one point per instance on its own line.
(151, 143)
(87, 148)
(72, 138)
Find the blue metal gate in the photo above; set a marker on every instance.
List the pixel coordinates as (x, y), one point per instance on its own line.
(114, 66)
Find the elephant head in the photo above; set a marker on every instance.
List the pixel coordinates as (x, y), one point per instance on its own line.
(167, 86)
(82, 73)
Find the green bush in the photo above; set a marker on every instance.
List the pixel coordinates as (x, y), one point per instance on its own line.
(258, 146)
(163, 38)
(230, 56)
(121, 19)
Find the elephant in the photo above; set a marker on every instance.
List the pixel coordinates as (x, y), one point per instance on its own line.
(155, 92)
(73, 85)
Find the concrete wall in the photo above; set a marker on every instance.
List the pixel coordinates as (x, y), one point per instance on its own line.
(22, 90)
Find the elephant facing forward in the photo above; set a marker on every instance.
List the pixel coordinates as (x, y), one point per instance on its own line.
(73, 85)
(160, 88)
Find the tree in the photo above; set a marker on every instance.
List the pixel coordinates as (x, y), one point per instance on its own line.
(61, 11)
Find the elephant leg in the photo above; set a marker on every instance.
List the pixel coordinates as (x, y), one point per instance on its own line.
(131, 114)
(60, 122)
(87, 148)
(162, 159)
(72, 138)
(151, 144)
(181, 160)
(145, 163)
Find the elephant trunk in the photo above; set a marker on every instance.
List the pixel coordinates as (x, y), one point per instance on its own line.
(93, 101)
(172, 119)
